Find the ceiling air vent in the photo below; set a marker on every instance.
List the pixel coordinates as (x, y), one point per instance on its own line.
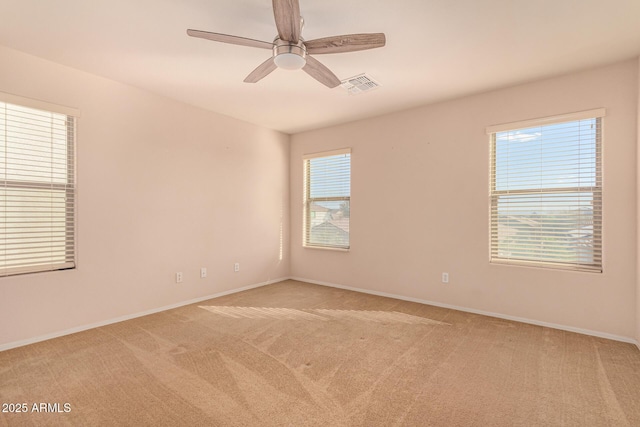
(359, 84)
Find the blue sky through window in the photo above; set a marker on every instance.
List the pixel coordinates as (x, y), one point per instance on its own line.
(560, 155)
(330, 176)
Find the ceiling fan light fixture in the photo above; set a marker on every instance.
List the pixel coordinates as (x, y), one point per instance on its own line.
(289, 61)
(289, 56)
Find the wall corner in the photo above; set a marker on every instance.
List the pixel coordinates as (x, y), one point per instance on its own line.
(638, 208)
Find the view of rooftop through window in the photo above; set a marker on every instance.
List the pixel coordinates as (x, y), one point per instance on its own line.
(327, 200)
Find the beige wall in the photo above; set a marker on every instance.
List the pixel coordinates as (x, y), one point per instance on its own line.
(419, 205)
(162, 187)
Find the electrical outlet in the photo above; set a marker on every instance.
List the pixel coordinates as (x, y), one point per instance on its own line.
(203, 272)
(236, 267)
(445, 277)
(179, 277)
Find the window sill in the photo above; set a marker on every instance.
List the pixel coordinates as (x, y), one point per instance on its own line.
(546, 266)
(325, 248)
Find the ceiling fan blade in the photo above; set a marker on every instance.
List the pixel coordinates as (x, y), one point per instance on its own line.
(262, 71)
(287, 14)
(345, 43)
(225, 38)
(321, 73)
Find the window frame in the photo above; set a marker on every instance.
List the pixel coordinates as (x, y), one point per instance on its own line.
(596, 192)
(308, 200)
(69, 187)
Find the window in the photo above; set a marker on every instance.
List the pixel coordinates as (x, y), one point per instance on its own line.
(546, 192)
(327, 196)
(37, 191)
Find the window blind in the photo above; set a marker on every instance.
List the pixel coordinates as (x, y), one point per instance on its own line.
(37, 189)
(546, 192)
(327, 198)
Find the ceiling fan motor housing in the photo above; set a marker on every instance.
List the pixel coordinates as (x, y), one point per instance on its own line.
(288, 55)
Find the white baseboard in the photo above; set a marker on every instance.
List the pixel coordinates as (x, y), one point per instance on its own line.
(474, 311)
(52, 335)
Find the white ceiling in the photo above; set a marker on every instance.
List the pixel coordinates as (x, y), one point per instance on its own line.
(436, 49)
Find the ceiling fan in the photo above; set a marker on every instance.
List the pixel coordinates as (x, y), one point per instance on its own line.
(291, 51)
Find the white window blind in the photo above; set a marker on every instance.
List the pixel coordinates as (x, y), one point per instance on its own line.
(327, 198)
(546, 192)
(37, 188)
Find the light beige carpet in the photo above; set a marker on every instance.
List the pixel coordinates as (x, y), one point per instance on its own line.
(295, 354)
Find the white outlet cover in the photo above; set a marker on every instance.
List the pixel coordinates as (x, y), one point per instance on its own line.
(203, 272)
